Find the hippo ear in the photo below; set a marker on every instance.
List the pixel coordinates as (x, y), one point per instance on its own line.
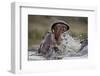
(52, 30)
(67, 27)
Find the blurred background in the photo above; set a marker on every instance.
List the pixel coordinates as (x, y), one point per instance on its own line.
(39, 25)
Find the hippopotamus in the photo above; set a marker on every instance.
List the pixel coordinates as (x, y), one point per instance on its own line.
(57, 43)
